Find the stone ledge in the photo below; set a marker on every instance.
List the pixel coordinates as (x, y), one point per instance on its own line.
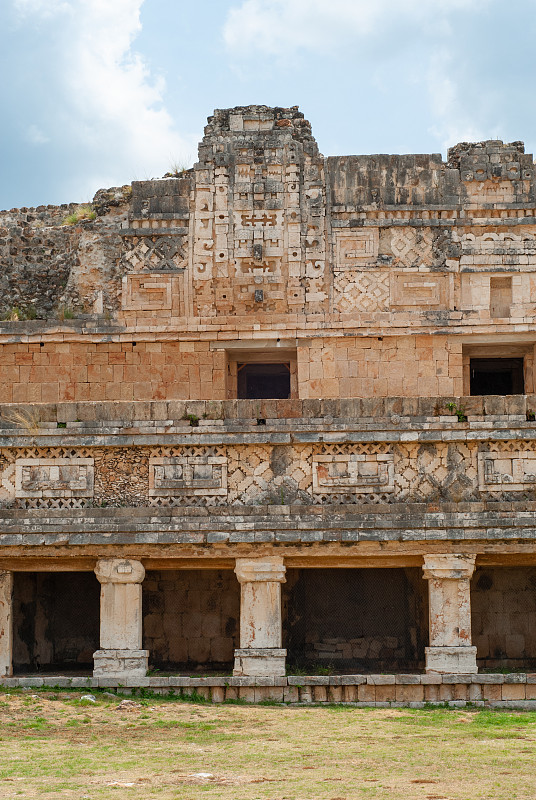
(124, 434)
(355, 412)
(516, 690)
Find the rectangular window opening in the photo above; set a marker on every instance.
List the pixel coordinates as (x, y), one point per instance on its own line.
(500, 376)
(263, 381)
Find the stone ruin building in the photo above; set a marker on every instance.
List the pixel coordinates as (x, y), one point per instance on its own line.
(274, 418)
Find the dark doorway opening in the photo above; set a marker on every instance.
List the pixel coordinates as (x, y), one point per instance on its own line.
(191, 619)
(497, 376)
(348, 620)
(263, 381)
(56, 619)
(503, 608)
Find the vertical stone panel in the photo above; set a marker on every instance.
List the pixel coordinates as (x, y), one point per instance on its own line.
(6, 624)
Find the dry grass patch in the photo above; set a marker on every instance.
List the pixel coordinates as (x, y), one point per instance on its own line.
(55, 747)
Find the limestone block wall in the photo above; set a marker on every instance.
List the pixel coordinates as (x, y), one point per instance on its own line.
(191, 618)
(265, 240)
(514, 691)
(55, 620)
(351, 619)
(37, 255)
(503, 603)
(71, 371)
(351, 367)
(409, 366)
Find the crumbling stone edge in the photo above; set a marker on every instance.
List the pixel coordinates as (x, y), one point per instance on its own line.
(515, 690)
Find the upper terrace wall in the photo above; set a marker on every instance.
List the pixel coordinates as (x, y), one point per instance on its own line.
(411, 366)
(264, 233)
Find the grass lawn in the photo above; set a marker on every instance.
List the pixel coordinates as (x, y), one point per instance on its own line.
(54, 746)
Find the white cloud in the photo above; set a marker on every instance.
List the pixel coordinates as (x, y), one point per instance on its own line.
(35, 135)
(453, 122)
(275, 26)
(112, 89)
(109, 105)
(412, 49)
(43, 8)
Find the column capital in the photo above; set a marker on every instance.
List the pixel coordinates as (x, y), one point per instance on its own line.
(250, 570)
(448, 566)
(119, 570)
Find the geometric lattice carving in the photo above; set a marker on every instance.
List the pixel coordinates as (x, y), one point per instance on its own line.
(412, 247)
(154, 253)
(146, 292)
(54, 477)
(511, 471)
(261, 473)
(333, 474)
(361, 291)
(54, 502)
(355, 247)
(265, 474)
(429, 472)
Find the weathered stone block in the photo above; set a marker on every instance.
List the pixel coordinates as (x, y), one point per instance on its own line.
(120, 664)
(260, 661)
(513, 691)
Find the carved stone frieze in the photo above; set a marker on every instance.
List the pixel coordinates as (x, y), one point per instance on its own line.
(334, 474)
(147, 292)
(175, 476)
(513, 471)
(54, 477)
(417, 289)
(355, 247)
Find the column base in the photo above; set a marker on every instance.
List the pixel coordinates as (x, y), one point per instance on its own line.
(120, 663)
(451, 659)
(260, 662)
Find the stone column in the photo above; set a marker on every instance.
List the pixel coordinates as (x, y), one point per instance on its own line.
(260, 651)
(6, 624)
(450, 648)
(120, 655)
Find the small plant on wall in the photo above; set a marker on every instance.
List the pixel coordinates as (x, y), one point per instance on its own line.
(81, 213)
(15, 314)
(458, 411)
(65, 312)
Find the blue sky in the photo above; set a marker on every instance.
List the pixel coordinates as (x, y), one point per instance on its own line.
(96, 94)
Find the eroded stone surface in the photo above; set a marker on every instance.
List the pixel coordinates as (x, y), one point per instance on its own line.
(378, 283)
(6, 624)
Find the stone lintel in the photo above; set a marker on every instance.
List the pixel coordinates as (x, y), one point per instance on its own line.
(271, 568)
(119, 570)
(448, 566)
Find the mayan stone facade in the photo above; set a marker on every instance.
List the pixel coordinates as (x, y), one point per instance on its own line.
(275, 411)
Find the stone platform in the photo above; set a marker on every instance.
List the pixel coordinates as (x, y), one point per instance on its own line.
(514, 690)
